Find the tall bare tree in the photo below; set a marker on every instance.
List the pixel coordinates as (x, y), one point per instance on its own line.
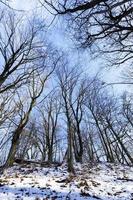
(35, 89)
(20, 47)
(49, 114)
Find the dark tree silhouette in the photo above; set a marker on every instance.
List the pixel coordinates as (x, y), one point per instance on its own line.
(94, 21)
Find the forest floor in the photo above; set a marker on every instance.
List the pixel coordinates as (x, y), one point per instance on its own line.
(103, 181)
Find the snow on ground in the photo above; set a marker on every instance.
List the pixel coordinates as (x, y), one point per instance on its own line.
(104, 181)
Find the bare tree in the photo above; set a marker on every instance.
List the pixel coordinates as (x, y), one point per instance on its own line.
(35, 89)
(111, 126)
(107, 22)
(73, 92)
(49, 113)
(27, 148)
(127, 108)
(64, 78)
(76, 105)
(20, 47)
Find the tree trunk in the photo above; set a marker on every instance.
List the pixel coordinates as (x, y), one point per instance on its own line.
(70, 151)
(121, 143)
(14, 144)
(50, 156)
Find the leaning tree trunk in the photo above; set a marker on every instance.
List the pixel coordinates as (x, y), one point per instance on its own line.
(125, 150)
(13, 148)
(16, 136)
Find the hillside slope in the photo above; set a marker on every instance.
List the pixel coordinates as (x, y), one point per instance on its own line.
(103, 181)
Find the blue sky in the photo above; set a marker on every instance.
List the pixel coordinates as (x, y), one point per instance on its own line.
(61, 39)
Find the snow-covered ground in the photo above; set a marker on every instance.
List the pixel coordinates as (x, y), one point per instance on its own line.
(103, 181)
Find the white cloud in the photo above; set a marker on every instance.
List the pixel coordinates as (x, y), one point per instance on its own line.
(26, 5)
